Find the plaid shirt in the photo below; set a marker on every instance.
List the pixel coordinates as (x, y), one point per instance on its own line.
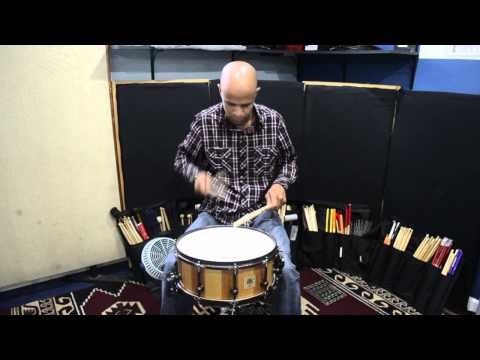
(248, 161)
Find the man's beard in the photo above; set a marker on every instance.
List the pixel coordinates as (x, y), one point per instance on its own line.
(240, 122)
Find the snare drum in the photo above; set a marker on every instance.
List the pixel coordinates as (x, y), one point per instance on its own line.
(225, 264)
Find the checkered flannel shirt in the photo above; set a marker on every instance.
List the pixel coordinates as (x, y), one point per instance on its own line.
(248, 161)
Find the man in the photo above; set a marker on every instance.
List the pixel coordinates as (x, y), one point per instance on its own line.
(246, 147)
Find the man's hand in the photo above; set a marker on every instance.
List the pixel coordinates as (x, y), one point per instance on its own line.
(276, 196)
(203, 183)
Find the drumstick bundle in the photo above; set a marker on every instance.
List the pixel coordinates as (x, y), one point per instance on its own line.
(335, 221)
(361, 227)
(129, 230)
(139, 225)
(427, 248)
(310, 218)
(403, 238)
(399, 235)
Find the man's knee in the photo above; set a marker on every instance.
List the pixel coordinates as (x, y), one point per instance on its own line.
(203, 219)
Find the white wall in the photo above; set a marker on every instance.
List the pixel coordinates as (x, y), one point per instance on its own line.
(58, 176)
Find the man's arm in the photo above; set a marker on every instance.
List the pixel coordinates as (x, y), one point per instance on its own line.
(288, 173)
(188, 152)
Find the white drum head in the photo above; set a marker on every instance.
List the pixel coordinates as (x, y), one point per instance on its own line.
(225, 244)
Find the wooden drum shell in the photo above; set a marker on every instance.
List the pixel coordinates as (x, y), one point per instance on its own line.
(218, 283)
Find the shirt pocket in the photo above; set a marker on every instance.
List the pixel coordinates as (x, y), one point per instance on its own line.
(264, 161)
(220, 158)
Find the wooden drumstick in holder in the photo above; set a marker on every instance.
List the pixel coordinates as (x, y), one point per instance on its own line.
(252, 215)
(126, 233)
(133, 231)
(167, 223)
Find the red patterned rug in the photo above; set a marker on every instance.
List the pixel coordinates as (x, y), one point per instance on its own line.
(128, 298)
(323, 292)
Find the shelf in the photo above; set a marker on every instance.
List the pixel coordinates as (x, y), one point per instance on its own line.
(279, 52)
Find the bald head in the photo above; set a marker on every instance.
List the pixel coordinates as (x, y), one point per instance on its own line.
(238, 89)
(239, 78)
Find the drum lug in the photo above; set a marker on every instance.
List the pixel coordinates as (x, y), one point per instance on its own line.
(200, 286)
(278, 265)
(235, 288)
(173, 280)
(268, 292)
(265, 274)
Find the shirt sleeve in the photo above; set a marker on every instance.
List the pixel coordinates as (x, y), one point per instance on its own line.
(288, 173)
(188, 152)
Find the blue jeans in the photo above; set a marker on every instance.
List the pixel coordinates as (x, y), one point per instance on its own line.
(286, 297)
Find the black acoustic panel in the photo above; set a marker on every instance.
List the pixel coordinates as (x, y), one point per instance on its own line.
(433, 178)
(286, 97)
(153, 120)
(347, 132)
(329, 67)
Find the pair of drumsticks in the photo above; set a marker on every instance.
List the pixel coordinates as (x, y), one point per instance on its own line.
(186, 219)
(163, 220)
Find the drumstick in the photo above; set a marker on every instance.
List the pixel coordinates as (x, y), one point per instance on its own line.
(281, 213)
(306, 210)
(129, 232)
(420, 247)
(326, 220)
(407, 239)
(159, 220)
(169, 228)
(246, 218)
(314, 219)
(166, 223)
(332, 221)
(305, 217)
(125, 233)
(132, 229)
(448, 263)
(426, 249)
(388, 237)
(398, 238)
(436, 243)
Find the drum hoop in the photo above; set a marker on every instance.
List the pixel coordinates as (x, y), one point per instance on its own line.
(225, 264)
